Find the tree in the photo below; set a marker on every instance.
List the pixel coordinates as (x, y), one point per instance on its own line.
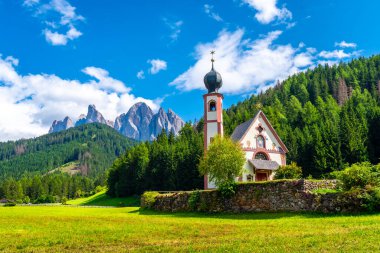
(223, 161)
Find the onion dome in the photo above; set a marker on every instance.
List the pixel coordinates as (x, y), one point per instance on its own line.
(213, 79)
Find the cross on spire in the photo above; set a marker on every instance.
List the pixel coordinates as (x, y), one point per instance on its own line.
(212, 58)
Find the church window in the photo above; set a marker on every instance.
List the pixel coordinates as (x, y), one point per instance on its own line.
(261, 156)
(249, 178)
(260, 141)
(260, 128)
(212, 106)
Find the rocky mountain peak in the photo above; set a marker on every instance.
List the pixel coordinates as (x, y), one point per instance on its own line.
(60, 125)
(139, 123)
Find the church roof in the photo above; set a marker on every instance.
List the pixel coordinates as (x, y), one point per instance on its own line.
(241, 130)
(264, 164)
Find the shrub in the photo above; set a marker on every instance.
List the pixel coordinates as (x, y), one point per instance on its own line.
(227, 190)
(148, 199)
(99, 188)
(64, 201)
(360, 175)
(371, 199)
(194, 200)
(26, 200)
(291, 171)
(11, 203)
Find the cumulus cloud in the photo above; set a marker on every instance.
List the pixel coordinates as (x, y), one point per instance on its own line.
(246, 65)
(344, 44)
(29, 103)
(157, 65)
(140, 74)
(209, 10)
(58, 31)
(338, 54)
(267, 11)
(175, 28)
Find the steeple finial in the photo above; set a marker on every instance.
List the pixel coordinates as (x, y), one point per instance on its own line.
(212, 59)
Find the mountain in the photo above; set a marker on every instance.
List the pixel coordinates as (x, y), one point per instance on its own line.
(139, 123)
(135, 123)
(91, 148)
(93, 116)
(60, 125)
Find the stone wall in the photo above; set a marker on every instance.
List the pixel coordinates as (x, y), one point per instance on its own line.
(270, 196)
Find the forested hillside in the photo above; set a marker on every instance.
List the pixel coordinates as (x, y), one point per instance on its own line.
(93, 147)
(328, 116)
(168, 163)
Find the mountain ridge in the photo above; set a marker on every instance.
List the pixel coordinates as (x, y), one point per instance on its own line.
(139, 123)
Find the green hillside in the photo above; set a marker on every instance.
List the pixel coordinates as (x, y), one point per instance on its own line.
(328, 116)
(89, 149)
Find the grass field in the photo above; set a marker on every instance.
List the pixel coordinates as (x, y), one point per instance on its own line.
(101, 199)
(80, 229)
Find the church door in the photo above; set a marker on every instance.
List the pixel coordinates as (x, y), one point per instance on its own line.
(261, 176)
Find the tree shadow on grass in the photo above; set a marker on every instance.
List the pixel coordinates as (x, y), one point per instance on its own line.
(250, 216)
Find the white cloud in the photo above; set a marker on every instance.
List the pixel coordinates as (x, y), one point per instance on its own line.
(245, 65)
(104, 81)
(29, 103)
(157, 66)
(340, 54)
(140, 74)
(345, 44)
(175, 28)
(209, 10)
(64, 28)
(267, 11)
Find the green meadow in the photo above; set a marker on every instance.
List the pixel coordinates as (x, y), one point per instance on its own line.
(90, 229)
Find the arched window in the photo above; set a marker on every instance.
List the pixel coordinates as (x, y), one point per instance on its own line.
(212, 106)
(260, 141)
(261, 156)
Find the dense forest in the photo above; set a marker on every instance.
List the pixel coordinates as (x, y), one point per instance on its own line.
(92, 146)
(50, 188)
(329, 118)
(168, 163)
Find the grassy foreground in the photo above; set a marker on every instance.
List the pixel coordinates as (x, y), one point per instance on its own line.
(101, 199)
(77, 229)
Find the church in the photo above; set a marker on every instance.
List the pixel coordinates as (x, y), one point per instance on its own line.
(264, 150)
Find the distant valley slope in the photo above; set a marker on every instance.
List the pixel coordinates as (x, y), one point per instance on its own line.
(139, 123)
(91, 147)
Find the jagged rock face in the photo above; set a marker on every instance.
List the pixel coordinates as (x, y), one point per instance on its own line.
(60, 125)
(139, 123)
(176, 122)
(135, 124)
(159, 121)
(93, 116)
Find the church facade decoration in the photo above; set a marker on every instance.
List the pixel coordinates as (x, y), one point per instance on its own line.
(264, 150)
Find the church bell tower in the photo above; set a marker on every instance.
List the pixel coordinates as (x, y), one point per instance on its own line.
(213, 111)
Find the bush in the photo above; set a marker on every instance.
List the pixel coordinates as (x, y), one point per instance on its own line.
(99, 188)
(291, 171)
(360, 175)
(148, 199)
(194, 200)
(371, 199)
(227, 190)
(64, 201)
(26, 200)
(8, 204)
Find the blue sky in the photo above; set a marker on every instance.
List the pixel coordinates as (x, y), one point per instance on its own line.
(58, 56)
